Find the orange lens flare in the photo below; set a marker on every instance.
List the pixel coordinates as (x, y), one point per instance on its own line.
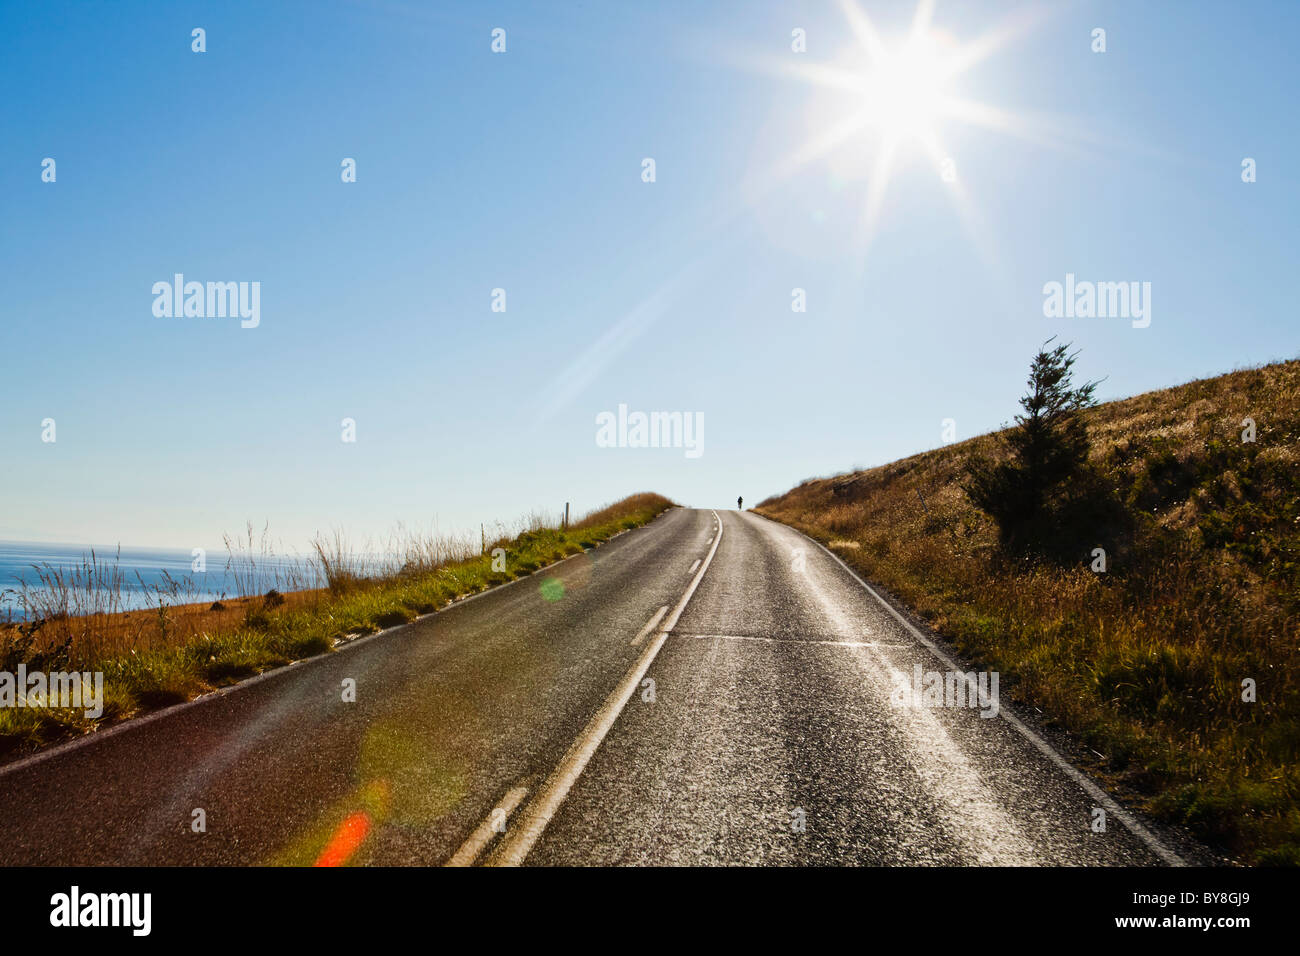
(346, 839)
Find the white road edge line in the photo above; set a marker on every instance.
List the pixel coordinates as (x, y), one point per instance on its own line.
(482, 836)
(694, 566)
(1101, 796)
(650, 625)
(521, 839)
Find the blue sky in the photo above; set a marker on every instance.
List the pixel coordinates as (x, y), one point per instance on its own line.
(522, 170)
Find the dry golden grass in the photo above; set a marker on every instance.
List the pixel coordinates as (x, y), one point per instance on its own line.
(1144, 663)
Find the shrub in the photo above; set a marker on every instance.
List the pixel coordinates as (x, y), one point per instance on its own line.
(1029, 487)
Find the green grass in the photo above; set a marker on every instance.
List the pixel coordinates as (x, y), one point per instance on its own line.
(275, 631)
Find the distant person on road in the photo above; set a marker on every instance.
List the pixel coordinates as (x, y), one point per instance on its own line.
(740, 503)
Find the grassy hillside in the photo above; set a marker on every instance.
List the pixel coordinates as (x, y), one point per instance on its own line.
(159, 657)
(1145, 663)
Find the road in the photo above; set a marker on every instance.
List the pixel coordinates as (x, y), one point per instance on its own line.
(713, 688)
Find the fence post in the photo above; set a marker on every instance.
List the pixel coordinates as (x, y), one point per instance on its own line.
(566, 516)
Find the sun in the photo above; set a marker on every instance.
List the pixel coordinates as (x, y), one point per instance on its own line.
(904, 94)
(889, 100)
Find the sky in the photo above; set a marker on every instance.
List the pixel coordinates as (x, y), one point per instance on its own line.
(523, 170)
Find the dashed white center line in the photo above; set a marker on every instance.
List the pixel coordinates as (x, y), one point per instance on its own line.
(694, 566)
(482, 836)
(650, 625)
(512, 850)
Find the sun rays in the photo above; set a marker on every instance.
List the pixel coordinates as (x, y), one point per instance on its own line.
(882, 103)
(888, 101)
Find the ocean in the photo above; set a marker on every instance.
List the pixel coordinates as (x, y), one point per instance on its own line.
(131, 578)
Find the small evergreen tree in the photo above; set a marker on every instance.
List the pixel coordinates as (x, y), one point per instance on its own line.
(1045, 450)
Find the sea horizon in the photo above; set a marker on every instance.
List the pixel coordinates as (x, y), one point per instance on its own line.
(133, 577)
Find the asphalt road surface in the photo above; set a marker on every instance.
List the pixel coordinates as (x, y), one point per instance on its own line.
(712, 688)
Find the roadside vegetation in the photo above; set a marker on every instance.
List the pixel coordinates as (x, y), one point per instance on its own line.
(1150, 663)
(178, 650)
